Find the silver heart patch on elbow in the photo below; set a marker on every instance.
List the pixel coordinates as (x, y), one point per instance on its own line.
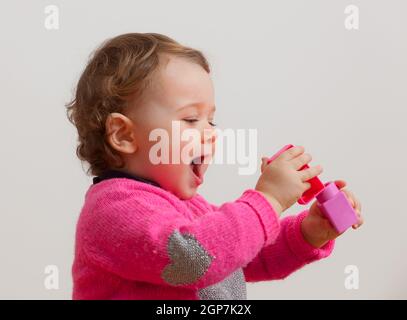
(189, 259)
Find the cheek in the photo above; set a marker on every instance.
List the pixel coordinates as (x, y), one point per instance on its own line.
(166, 173)
(142, 136)
(184, 151)
(174, 147)
(189, 150)
(173, 170)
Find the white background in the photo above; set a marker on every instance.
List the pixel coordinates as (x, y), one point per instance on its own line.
(289, 69)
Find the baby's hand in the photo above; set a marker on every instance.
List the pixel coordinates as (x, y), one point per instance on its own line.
(317, 230)
(281, 182)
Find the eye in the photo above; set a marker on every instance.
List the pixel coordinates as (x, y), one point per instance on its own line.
(196, 120)
(190, 120)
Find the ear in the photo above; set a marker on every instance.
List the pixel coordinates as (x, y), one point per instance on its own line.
(120, 134)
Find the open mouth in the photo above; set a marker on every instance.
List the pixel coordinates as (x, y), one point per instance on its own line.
(197, 166)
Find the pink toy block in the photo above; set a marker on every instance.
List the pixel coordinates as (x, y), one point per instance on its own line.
(336, 207)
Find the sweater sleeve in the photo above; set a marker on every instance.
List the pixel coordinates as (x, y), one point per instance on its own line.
(289, 253)
(142, 236)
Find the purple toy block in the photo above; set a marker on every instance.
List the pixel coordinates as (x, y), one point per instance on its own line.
(336, 207)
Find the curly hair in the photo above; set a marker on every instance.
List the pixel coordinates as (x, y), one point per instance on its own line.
(117, 75)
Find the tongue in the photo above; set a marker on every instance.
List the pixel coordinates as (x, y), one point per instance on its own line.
(197, 165)
(195, 168)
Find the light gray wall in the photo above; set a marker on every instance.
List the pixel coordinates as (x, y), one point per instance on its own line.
(287, 68)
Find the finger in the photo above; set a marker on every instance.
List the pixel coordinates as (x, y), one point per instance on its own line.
(357, 226)
(350, 197)
(358, 205)
(306, 186)
(310, 173)
(263, 163)
(292, 153)
(301, 160)
(353, 200)
(360, 221)
(315, 209)
(340, 183)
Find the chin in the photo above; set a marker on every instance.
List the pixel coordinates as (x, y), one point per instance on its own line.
(188, 195)
(181, 186)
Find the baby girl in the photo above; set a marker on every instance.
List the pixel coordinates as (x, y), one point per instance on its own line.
(144, 232)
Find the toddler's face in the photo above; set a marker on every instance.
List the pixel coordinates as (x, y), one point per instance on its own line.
(183, 92)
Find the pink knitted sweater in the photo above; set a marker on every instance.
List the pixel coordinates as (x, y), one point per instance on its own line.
(135, 240)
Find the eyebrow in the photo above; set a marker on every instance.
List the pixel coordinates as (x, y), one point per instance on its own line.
(196, 104)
